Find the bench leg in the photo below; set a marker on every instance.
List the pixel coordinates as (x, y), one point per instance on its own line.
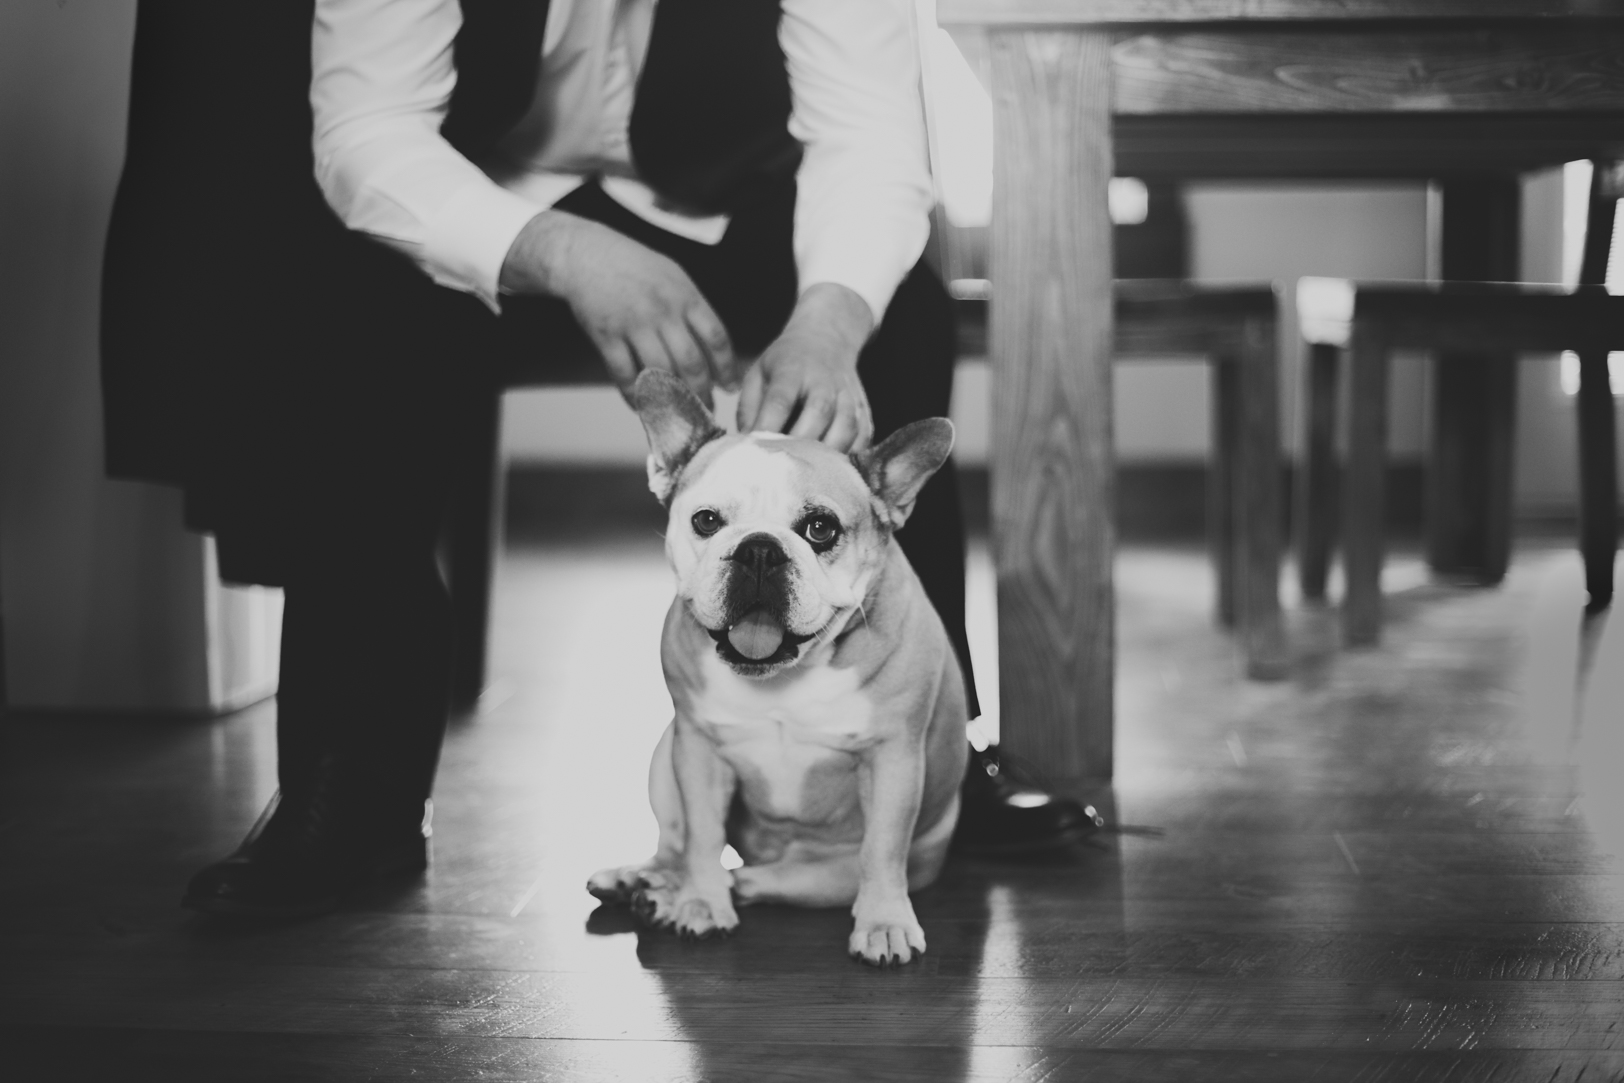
(1474, 402)
(1317, 476)
(1598, 480)
(1223, 494)
(1364, 496)
(1257, 507)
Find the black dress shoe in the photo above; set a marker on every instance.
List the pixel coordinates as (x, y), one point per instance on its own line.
(299, 859)
(1000, 814)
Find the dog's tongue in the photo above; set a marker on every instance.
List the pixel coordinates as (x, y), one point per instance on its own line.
(757, 636)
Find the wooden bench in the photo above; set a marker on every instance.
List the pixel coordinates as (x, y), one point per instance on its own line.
(1367, 322)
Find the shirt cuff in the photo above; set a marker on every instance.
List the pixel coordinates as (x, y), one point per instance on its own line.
(873, 275)
(468, 240)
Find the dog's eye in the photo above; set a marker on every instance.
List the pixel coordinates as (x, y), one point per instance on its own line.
(706, 522)
(821, 529)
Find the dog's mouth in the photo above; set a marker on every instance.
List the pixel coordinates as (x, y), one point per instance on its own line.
(757, 642)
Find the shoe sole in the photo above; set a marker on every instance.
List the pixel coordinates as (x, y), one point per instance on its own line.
(414, 865)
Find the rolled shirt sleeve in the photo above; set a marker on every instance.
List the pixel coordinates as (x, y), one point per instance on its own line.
(862, 213)
(382, 75)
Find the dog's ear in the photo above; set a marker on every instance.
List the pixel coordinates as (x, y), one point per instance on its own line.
(677, 423)
(898, 467)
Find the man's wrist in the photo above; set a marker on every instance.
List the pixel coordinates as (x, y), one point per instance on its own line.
(829, 308)
(535, 260)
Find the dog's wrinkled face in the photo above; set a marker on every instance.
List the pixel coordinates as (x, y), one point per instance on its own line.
(775, 540)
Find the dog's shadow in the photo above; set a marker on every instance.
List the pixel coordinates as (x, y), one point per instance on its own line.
(784, 977)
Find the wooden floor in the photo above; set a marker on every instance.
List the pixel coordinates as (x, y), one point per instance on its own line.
(1403, 864)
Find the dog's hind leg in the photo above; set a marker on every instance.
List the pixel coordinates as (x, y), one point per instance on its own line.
(824, 880)
(620, 884)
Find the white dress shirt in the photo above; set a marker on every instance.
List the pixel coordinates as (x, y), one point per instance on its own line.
(382, 79)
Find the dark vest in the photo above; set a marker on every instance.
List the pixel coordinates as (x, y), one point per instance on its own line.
(250, 340)
(711, 117)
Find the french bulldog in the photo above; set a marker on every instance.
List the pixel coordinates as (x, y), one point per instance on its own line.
(819, 707)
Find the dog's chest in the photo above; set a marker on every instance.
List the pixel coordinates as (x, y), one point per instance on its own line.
(824, 707)
(790, 741)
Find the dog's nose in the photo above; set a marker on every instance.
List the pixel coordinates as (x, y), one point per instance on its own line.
(760, 553)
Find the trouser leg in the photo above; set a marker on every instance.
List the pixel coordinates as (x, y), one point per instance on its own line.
(907, 370)
(365, 683)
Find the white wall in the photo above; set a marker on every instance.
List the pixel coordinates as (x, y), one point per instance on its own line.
(106, 602)
(1281, 232)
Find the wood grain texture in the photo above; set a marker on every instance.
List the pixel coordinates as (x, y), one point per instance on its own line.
(1104, 12)
(843, 1007)
(1407, 145)
(1364, 494)
(1051, 441)
(1560, 68)
(1317, 476)
(75, 1054)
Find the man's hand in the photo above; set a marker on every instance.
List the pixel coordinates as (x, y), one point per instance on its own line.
(639, 308)
(812, 366)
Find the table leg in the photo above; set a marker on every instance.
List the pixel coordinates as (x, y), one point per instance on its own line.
(1469, 489)
(1258, 507)
(1365, 492)
(1223, 503)
(1317, 476)
(1598, 479)
(1050, 338)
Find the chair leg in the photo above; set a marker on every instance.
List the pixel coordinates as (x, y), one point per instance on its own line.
(1317, 476)
(1598, 480)
(473, 534)
(1364, 497)
(1222, 492)
(1257, 507)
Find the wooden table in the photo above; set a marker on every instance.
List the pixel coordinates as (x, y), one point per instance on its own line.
(1468, 90)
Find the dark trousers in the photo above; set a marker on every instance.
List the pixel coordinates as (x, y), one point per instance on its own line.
(366, 636)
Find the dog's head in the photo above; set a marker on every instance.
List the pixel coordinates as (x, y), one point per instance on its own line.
(775, 540)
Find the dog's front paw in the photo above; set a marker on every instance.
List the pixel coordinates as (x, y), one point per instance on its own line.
(887, 935)
(616, 885)
(666, 900)
(700, 917)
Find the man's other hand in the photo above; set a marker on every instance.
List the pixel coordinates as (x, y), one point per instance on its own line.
(809, 374)
(639, 308)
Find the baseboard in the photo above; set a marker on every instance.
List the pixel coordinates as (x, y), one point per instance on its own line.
(1154, 501)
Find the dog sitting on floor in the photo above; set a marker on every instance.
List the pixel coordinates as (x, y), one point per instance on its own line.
(819, 708)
